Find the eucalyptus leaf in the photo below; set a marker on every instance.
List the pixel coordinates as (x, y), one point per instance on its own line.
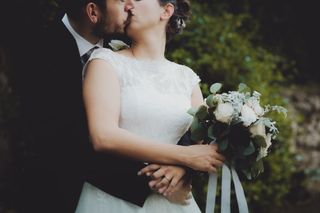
(259, 141)
(247, 174)
(195, 124)
(280, 109)
(215, 88)
(211, 132)
(211, 101)
(257, 168)
(199, 133)
(192, 111)
(243, 88)
(260, 156)
(225, 133)
(249, 149)
(202, 112)
(223, 144)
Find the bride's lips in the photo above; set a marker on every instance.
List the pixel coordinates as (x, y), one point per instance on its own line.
(128, 21)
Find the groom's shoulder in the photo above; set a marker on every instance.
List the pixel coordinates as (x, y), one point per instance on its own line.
(54, 32)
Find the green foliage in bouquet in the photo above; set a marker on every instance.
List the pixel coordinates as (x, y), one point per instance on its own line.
(221, 47)
(239, 125)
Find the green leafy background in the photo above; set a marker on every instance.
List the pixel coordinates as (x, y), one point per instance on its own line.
(263, 44)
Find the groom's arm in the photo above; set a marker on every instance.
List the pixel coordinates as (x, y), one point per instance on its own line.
(185, 140)
(117, 176)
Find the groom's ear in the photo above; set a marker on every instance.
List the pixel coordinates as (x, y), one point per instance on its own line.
(168, 11)
(92, 12)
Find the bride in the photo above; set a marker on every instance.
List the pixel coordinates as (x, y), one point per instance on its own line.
(136, 102)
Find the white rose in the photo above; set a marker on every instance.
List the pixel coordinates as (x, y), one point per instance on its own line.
(255, 105)
(248, 116)
(224, 112)
(258, 129)
(268, 140)
(258, 109)
(264, 150)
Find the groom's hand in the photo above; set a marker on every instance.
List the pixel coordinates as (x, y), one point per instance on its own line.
(181, 194)
(164, 177)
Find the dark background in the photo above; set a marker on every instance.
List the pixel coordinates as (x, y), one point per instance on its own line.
(289, 28)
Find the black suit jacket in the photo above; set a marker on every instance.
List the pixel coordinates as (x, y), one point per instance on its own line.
(49, 80)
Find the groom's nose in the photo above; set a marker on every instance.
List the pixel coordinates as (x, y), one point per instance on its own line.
(129, 5)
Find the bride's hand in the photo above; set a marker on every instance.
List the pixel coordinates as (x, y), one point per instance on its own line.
(204, 158)
(164, 177)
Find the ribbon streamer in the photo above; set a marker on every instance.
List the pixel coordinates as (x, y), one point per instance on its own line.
(211, 193)
(226, 191)
(241, 198)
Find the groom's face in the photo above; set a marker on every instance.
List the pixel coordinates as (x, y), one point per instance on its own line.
(115, 18)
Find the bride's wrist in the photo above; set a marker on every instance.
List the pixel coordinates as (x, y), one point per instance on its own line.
(184, 159)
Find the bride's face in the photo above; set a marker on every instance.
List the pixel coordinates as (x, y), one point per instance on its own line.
(146, 14)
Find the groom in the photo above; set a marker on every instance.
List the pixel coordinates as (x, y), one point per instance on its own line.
(51, 96)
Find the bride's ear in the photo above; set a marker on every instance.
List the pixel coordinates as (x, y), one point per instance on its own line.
(92, 12)
(168, 11)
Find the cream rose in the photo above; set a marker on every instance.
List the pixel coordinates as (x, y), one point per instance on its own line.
(264, 150)
(248, 116)
(258, 109)
(224, 112)
(255, 105)
(258, 129)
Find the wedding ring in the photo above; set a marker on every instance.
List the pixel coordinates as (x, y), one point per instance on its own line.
(167, 178)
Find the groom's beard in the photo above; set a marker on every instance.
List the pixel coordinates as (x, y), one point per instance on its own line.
(100, 28)
(103, 29)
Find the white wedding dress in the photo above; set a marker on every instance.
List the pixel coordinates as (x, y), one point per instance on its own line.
(155, 98)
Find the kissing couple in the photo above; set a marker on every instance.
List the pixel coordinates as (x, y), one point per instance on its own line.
(109, 128)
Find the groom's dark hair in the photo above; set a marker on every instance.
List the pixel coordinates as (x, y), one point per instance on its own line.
(76, 8)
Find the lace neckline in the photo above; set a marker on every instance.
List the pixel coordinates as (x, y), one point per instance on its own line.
(147, 61)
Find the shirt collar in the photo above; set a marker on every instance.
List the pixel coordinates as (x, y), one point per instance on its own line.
(83, 45)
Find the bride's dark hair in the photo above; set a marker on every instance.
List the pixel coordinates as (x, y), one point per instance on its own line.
(177, 22)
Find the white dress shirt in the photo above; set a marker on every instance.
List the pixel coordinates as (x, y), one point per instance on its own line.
(83, 45)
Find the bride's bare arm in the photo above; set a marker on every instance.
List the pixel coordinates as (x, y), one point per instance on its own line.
(101, 91)
(196, 97)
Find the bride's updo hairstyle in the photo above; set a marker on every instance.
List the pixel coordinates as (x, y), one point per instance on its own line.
(177, 22)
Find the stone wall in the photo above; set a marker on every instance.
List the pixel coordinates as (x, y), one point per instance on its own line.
(305, 109)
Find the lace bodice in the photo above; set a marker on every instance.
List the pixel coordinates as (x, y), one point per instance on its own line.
(155, 95)
(155, 98)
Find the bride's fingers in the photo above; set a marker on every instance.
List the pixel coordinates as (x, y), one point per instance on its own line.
(220, 157)
(217, 163)
(149, 169)
(212, 169)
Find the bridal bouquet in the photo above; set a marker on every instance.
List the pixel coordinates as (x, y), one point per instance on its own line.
(241, 127)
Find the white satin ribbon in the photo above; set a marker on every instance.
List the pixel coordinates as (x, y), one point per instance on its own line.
(211, 192)
(226, 191)
(241, 198)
